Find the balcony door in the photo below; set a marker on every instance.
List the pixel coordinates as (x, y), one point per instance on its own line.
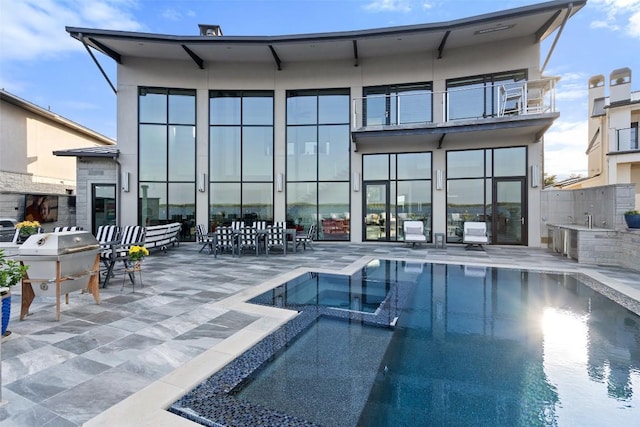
(509, 220)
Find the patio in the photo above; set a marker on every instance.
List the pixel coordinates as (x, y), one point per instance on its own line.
(122, 361)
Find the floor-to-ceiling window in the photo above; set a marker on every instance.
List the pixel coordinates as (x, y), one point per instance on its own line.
(396, 188)
(167, 157)
(488, 185)
(318, 162)
(240, 156)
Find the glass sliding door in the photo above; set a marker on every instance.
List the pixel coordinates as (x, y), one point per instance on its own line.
(509, 208)
(376, 210)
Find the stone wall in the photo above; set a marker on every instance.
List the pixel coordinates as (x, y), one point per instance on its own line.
(606, 204)
(92, 170)
(16, 185)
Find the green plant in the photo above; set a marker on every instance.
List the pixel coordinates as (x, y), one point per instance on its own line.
(11, 271)
(632, 212)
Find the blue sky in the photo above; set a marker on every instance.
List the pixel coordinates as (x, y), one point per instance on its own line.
(41, 63)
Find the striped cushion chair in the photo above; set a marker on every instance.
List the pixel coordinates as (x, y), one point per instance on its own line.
(225, 241)
(275, 239)
(72, 228)
(132, 235)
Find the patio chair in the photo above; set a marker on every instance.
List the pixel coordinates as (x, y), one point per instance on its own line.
(203, 238)
(225, 240)
(307, 238)
(247, 239)
(132, 235)
(414, 232)
(107, 235)
(475, 234)
(275, 239)
(237, 225)
(260, 225)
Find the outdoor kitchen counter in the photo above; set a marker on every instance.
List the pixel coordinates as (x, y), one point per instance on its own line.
(585, 245)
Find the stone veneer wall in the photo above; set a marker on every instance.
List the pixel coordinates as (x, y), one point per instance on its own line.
(16, 185)
(91, 170)
(607, 204)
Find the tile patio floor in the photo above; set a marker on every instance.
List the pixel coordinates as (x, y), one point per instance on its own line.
(188, 320)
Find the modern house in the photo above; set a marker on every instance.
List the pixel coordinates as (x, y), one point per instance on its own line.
(613, 150)
(353, 131)
(30, 174)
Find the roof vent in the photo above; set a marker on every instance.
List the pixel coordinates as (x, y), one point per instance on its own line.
(210, 30)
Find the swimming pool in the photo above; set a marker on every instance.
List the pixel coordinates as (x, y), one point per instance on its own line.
(432, 344)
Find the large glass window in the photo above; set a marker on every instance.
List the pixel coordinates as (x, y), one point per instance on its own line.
(470, 176)
(240, 156)
(167, 157)
(318, 162)
(398, 104)
(479, 96)
(408, 177)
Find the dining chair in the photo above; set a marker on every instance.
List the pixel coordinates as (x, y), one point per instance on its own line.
(274, 239)
(225, 240)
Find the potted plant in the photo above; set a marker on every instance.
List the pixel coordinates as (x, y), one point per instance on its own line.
(632, 218)
(27, 228)
(136, 254)
(11, 273)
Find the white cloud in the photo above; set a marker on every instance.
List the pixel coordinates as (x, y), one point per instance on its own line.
(35, 29)
(389, 6)
(619, 15)
(564, 149)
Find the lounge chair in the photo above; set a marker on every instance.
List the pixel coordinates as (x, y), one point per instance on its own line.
(475, 234)
(414, 232)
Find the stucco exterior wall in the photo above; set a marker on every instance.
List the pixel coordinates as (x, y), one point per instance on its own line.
(520, 53)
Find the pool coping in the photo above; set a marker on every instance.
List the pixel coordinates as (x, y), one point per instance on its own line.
(149, 405)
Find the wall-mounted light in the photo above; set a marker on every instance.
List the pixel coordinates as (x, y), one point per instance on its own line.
(356, 181)
(280, 182)
(202, 182)
(439, 179)
(124, 181)
(535, 176)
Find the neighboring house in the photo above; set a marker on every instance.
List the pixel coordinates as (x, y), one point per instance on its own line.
(354, 131)
(35, 183)
(613, 150)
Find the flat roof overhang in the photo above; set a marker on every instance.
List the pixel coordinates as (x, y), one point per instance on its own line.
(536, 21)
(436, 136)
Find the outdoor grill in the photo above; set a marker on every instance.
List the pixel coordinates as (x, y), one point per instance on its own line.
(59, 263)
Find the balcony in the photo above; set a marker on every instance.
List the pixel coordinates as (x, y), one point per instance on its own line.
(503, 110)
(626, 140)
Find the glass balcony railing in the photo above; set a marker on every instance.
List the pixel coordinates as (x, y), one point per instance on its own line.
(627, 139)
(476, 102)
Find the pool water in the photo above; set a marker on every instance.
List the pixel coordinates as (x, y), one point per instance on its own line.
(471, 346)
